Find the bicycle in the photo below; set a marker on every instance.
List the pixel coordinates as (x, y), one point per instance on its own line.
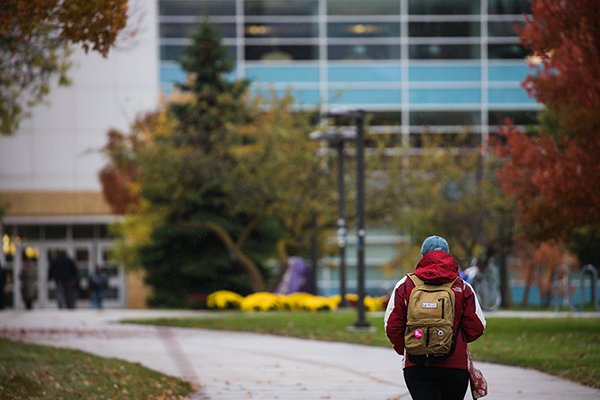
(486, 284)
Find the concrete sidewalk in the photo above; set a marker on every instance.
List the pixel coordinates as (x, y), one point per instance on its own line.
(230, 365)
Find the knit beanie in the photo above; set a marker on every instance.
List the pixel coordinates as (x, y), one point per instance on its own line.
(434, 243)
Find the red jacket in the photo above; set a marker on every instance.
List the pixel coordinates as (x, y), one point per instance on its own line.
(437, 267)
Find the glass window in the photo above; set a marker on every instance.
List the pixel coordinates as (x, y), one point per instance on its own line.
(282, 73)
(509, 7)
(186, 30)
(448, 96)
(281, 30)
(360, 30)
(30, 232)
(348, 96)
(171, 53)
(195, 7)
(529, 117)
(364, 52)
(83, 231)
(281, 7)
(501, 72)
(462, 118)
(362, 7)
(104, 232)
(445, 139)
(513, 96)
(385, 118)
(174, 52)
(9, 229)
(436, 72)
(503, 28)
(363, 73)
(444, 51)
(447, 7)
(507, 51)
(82, 256)
(282, 53)
(444, 29)
(55, 231)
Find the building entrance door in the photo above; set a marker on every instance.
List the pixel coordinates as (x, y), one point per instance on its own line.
(82, 256)
(87, 255)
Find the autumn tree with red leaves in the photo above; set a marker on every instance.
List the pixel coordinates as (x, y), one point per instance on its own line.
(120, 176)
(552, 174)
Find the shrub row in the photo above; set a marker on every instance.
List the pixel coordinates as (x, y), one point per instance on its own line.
(265, 301)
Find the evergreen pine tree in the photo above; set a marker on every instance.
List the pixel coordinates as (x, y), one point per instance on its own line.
(182, 179)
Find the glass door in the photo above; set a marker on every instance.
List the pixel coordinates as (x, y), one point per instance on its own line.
(115, 294)
(83, 257)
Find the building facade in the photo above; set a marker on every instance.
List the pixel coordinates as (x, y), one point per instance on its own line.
(437, 66)
(49, 187)
(413, 64)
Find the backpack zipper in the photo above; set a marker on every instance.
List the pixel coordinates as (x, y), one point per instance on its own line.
(443, 302)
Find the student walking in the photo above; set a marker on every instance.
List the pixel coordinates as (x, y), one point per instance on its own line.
(64, 273)
(97, 284)
(29, 284)
(431, 316)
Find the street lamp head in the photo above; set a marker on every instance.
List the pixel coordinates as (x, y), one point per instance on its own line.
(338, 113)
(334, 135)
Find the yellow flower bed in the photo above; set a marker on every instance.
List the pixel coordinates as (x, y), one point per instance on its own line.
(310, 302)
(375, 303)
(371, 303)
(265, 301)
(261, 301)
(224, 300)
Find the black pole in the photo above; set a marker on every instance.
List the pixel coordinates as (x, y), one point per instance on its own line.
(341, 233)
(360, 211)
(504, 288)
(314, 253)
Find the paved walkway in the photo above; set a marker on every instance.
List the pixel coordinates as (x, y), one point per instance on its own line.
(240, 366)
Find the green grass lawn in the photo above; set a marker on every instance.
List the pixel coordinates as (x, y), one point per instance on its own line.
(30, 371)
(566, 347)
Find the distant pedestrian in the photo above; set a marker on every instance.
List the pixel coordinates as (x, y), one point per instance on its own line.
(429, 376)
(29, 284)
(63, 272)
(2, 286)
(97, 284)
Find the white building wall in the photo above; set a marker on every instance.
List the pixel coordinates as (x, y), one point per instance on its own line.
(58, 147)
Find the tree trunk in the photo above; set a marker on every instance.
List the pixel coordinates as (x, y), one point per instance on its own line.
(529, 277)
(525, 301)
(257, 281)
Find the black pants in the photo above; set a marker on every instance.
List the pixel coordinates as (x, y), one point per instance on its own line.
(434, 383)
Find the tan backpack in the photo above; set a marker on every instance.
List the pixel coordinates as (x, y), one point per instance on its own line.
(429, 334)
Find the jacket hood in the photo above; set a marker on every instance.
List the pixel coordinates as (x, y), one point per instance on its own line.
(437, 267)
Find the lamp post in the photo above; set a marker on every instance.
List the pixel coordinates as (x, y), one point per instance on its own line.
(358, 136)
(359, 117)
(341, 231)
(337, 138)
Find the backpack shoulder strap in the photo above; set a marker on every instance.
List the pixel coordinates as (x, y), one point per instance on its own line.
(416, 280)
